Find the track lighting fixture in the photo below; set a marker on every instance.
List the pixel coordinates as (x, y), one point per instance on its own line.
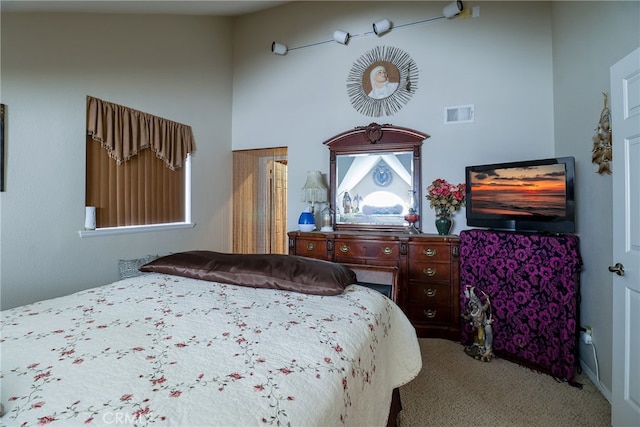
(380, 27)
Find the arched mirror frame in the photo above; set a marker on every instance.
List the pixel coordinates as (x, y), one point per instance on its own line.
(376, 138)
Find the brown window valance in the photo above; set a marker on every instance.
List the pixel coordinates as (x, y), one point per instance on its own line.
(123, 132)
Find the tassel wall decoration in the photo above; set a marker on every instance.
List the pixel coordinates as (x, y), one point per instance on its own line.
(601, 153)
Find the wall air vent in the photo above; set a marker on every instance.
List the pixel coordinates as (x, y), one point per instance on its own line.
(459, 114)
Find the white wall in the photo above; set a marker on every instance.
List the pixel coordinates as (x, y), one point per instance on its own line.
(501, 62)
(588, 38)
(174, 67)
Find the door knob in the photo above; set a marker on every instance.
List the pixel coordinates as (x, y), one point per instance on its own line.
(618, 269)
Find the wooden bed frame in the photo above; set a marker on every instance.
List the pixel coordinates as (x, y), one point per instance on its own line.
(384, 276)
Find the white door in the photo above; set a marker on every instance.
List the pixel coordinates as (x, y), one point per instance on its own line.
(625, 121)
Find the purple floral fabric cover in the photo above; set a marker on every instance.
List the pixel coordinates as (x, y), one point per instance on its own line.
(533, 282)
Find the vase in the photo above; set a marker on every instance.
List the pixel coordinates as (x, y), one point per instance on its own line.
(443, 225)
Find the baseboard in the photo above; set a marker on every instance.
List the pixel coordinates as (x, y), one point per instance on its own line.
(594, 379)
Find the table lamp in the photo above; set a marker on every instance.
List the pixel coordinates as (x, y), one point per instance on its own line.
(314, 191)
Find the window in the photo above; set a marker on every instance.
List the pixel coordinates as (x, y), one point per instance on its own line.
(137, 167)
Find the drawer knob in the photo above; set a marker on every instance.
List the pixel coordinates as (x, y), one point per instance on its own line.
(310, 246)
(430, 292)
(430, 271)
(387, 250)
(344, 249)
(429, 252)
(430, 313)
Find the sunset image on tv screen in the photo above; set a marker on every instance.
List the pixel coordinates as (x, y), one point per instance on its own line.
(529, 191)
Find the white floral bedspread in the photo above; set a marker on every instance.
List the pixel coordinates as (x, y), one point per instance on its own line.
(167, 350)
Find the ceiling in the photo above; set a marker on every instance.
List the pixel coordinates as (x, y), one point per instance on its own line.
(201, 7)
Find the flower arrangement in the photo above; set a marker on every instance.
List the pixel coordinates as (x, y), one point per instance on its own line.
(445, 198)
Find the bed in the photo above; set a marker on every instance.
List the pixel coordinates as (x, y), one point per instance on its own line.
(183, 345)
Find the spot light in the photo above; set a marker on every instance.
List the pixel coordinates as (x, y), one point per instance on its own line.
(278, 48)
(341, 37)
(382, 26)
(452, 9)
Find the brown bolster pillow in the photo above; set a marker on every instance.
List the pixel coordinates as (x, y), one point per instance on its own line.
(273, 271)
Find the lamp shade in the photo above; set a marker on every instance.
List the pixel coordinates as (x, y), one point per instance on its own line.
(278, 48)
(314, 189)
(382, 26)
(452, 9)
(341, 37)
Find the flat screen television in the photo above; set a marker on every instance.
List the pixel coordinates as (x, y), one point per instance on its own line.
(531, 195)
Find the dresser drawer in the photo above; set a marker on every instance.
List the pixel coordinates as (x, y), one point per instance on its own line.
(312, 248)
(430, 293)
(367, 249)
(429, 313)
(429, 252)
(430, 272)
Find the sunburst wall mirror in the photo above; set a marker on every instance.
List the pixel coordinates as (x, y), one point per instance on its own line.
(382, 81)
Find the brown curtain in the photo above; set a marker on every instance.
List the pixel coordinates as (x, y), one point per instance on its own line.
(124, 132)
(128, 184)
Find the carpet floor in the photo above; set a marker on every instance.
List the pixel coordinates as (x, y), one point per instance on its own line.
(453, 389)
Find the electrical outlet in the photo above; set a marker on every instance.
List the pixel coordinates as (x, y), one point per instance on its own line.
(586, 337)
(586, 329)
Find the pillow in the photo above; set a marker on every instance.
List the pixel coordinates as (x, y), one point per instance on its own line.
(273, 271)
(129, 267)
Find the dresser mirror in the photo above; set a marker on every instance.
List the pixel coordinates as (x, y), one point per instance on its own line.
(375, 177)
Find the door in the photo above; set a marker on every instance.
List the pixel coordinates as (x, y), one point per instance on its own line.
(625, 115)
(260, 201)
(279, 240)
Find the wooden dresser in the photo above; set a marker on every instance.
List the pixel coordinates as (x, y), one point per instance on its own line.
(428, 285)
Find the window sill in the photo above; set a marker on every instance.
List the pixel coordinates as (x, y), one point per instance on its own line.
(111, 231)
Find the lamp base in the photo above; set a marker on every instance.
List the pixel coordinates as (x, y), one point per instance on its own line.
(327, 229)
(411, 229)
(412, 217)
